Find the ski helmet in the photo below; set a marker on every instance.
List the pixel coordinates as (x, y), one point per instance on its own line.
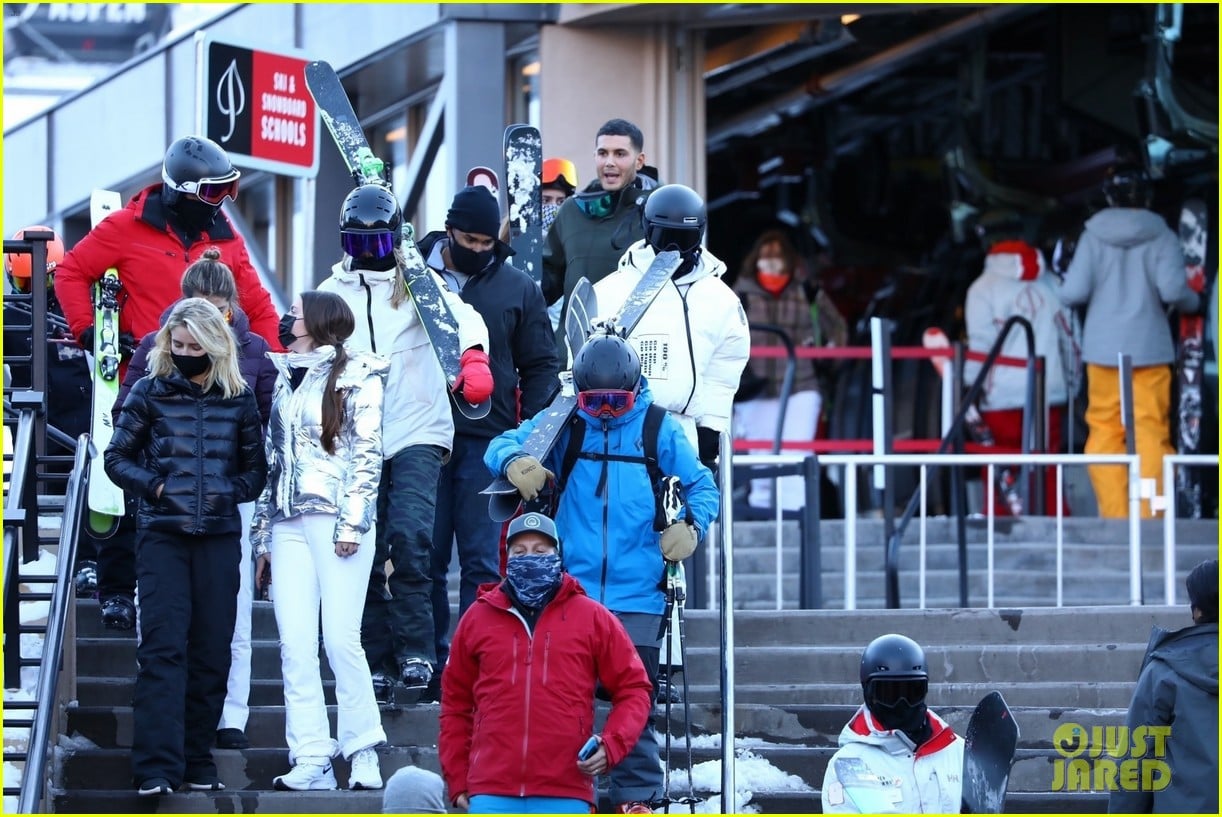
(369, 221)
(560, 174)
(199, 167)
(607, 362)
(674, 219)
(1127, 185)
(18, 267)
(893, 657)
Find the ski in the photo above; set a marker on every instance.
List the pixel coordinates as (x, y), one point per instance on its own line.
(523, 186)
(105, 498)
(582, 307)
(504, 500)
(1190, 371)
(988, 752)
(423, 286)
(480, 176)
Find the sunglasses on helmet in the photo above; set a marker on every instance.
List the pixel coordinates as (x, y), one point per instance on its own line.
(363, 245)
(606, 402)
(209, 191)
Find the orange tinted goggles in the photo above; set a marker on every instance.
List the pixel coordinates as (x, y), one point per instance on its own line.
(561, 169)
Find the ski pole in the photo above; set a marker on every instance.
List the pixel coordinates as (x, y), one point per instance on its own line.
(679, 591)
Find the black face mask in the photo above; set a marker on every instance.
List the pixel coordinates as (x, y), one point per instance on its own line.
(469, 261)
(194, 215)
(382, 264)
(901, 709)
(286, 336)
(191, 365)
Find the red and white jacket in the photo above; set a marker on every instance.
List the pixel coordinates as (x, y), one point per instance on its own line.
(883, 768)
(517, 706)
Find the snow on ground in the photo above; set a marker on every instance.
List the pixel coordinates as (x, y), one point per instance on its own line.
(752, 773)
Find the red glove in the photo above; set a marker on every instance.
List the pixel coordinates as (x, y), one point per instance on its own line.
(475, 379)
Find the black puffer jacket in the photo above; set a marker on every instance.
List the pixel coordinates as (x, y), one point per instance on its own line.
(206, 449)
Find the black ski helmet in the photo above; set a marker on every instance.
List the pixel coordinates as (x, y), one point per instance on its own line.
(674, 218)
(1127, 185)
(191, 161)
(370, 208)
(892, 656)
(607, 362)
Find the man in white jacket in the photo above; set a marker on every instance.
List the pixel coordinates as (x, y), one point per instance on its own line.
(693, 340)
(895, 755)
(417, 430)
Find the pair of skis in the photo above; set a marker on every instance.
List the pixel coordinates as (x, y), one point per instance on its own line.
(988, 753)
(1190, 371)
(426, 295)
(504, 499)
(524, 179)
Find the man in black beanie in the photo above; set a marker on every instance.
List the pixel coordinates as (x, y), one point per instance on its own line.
(1178, 690)
(473, 263)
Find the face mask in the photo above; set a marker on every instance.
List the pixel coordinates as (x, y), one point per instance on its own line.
(380, 264)
(533, 578)
(286, 335)
(549, 215)
(771, 282)
(194, 214)
(468, 261)
(191, 365)
(902, 715)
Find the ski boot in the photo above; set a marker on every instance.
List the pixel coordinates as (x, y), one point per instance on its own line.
(415, 675)
(383, 688)
(119, 613)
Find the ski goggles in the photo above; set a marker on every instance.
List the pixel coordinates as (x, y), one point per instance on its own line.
(890, 691)
(367, 245)
(606, 402)
(561, 170)
(209, 191)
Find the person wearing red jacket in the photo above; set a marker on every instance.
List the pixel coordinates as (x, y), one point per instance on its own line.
(163, 230)
(517, 696)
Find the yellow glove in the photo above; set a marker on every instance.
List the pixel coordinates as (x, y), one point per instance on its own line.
(528, 475)
(678, 541)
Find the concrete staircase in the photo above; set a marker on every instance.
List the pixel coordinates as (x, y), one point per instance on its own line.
(796, 687)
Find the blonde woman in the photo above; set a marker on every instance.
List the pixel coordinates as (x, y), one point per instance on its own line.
(315, 521)
(189, 444)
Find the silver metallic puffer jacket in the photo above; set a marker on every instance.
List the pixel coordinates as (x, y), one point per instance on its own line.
(301, 476)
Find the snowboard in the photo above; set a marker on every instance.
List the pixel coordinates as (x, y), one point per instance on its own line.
(523, 187)
(439, 323)
(977, 428)
(481, 176)
(503, 497)
(105, 498)
(1190, 368)
(988, 751)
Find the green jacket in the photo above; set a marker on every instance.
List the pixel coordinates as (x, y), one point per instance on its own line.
(580, 245)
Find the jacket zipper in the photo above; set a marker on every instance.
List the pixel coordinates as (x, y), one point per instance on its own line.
(602, 583)
(530, 651)
(373, 342)
(691, 354)
(199, 456)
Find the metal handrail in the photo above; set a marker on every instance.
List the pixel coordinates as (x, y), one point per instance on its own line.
(892, 558)
(57, 621)
(791, 369)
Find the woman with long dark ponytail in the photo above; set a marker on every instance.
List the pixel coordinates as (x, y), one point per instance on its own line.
(316, 516)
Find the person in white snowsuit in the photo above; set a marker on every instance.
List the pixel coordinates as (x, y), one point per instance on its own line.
(895, 755)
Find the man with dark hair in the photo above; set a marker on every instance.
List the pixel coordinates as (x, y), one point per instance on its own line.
(594, 227)
(1178, 689)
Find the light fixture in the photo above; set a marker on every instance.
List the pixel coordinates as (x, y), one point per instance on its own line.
(845, 19)
(531, 69)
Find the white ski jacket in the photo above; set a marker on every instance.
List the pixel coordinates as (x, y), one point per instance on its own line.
(883, 773)
(1017, 283)
(693, 340)
(417, 408)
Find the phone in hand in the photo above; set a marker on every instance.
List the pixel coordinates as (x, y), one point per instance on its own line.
(588, 750)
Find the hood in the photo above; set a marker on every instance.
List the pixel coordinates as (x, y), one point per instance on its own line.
(438, 239)
(1192, 653)
(240, 324)
(494, 594)
(863, 728)
(643, 399)
(640, 255)
(1125, 226)
(1014, 261)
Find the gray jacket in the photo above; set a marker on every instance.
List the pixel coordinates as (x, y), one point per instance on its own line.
(1128, 264)
(301, 476)
(1178, 687)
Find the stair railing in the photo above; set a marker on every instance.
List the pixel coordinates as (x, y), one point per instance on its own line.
(954, 436)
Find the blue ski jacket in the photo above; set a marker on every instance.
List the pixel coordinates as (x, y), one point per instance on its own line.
(607, 538)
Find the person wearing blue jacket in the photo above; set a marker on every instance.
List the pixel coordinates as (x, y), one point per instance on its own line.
(606, 513)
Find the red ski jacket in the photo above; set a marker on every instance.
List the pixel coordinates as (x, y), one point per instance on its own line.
(516, 707)
(151, 259)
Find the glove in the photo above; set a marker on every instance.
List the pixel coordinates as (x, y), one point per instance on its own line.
(708, 443)
(86, 339)
(475, 378)
(528, 475)
(678, 542)
(127, 344)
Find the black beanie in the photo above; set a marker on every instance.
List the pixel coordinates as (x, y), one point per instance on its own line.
(1202, 586)
(475, 210)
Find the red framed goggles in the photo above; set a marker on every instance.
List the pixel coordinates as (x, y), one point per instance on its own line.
(606, 402)
(209, 191)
